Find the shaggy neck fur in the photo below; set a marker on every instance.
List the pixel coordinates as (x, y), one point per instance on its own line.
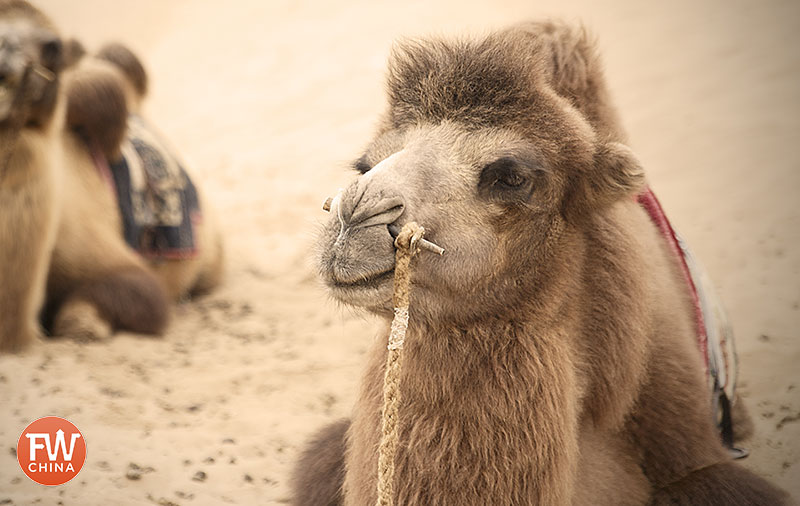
(492, 409)
(514, 377)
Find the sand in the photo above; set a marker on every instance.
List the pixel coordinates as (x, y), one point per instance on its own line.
(269, 101)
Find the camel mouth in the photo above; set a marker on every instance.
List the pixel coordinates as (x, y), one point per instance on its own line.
(371, 291)
(373, 280)
(9, 89)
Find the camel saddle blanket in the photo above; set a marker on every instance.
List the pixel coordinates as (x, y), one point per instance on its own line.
(714, 333)
(157, 201)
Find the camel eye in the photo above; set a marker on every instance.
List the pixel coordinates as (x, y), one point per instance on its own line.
(510, 180)
(51, 53)
(502, 178)
(361, 165)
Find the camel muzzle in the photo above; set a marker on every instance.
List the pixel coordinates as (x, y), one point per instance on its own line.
(394, 229)
(17, 71)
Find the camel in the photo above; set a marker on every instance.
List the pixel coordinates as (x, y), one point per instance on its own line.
(550, 356)
(64, 261)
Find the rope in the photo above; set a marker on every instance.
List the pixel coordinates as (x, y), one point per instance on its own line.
(407, 244)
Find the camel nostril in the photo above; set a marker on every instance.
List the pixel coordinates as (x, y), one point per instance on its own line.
(395, 211)
(5, 74)
(382, 212)
(12, 69)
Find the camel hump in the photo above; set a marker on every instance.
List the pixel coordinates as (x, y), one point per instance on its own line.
(97, 106)
(130, 65)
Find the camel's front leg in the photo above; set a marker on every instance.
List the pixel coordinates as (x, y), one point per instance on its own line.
(27, 222)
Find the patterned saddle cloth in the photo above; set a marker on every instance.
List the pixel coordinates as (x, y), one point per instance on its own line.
(157, 200)
(714, 333)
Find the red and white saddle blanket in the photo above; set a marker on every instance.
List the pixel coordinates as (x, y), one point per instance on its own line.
(714, 333)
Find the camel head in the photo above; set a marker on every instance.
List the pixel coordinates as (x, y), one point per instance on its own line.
(31, 57)
(501, 170)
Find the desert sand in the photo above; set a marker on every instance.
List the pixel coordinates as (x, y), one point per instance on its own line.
(268, 102)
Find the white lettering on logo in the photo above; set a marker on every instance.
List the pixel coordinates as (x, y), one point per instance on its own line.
(52, 450)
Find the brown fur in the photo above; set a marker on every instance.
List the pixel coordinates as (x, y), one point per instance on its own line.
(722, 483)
(73, 52)
(36, 96)
(23, 9)
(125, 60)
(550, 356)
(28, 218)
(576, 72)
(129, 298)
(60, 229)
(97, 107)
(322, 460)
(27, 232)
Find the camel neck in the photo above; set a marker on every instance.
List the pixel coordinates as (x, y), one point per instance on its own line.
(508, 376)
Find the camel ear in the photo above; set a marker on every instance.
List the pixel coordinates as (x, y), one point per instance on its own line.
(616, 174)
(73, 52)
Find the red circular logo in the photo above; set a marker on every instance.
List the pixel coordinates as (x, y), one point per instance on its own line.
(51, 451)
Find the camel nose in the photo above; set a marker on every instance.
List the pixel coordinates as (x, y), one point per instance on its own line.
(12, 59)
(359, 208)
(373, 199)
